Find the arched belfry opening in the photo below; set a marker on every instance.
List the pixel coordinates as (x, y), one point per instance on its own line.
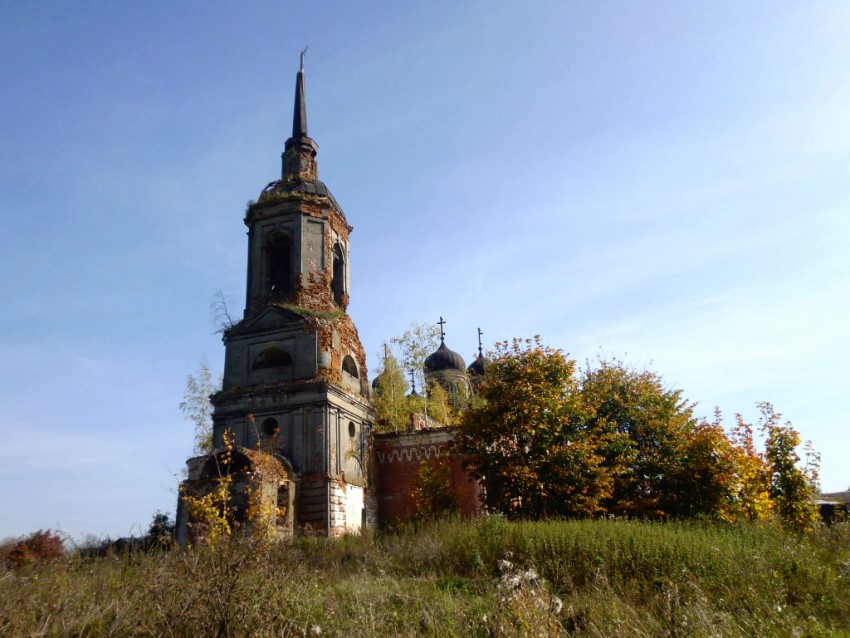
(338, 281)
(279, 264)
(349, 366)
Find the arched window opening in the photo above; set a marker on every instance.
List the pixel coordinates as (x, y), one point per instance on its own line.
(279, 260)
(273, 357)
(224, 464)
(338, 282)
(352, 429)
(349, 366)
(270, 427)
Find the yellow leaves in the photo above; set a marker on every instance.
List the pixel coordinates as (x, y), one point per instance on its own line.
(211, 514)
(262, 512)
(212, 508)
(434, 492)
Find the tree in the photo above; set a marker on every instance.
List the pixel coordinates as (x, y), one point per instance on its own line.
(526, 439)
(160, 532)
(548, 442)
(749, 497)
(388, 396)
(665, 462)
(213, 514)
(196, 407)
(705, 474)
(414, 346)
(438, 405)
(811, 466)
(790, 488)
(393, 407)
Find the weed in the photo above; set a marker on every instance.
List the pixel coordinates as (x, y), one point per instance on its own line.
(446, 578)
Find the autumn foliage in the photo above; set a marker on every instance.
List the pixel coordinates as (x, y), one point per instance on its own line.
(434, 493)
(394, 406)
(43, 546)
(528, 438)
(549, 440)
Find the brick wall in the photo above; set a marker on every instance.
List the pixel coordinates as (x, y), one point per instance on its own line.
(398, 458)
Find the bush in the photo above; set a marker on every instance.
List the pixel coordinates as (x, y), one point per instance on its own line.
(43, 546)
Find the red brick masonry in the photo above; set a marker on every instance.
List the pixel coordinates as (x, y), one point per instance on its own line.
(398, 458)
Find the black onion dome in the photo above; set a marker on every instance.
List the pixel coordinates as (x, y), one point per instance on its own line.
(444, 359)
(477, 367)
(377, 381)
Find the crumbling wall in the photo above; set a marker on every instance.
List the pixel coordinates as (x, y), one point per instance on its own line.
(262, 489)
(398, 460)
(338, 337)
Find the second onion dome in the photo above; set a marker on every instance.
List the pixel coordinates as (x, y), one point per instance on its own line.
(444, 359)
(478, 367)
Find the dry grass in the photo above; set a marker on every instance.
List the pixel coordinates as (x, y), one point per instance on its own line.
(453, 578)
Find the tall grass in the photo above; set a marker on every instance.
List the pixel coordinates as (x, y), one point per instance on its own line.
(456, 578)
(759, 579)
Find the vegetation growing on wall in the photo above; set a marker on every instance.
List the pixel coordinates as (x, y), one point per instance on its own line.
(234, 504)
(435, 495)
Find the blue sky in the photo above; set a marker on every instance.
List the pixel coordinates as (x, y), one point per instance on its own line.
(664, 182)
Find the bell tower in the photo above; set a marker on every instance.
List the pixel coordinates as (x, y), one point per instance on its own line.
(295, 386)
(297, 232)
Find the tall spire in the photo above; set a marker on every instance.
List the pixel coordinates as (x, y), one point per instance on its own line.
(299, 116)
(299, 154)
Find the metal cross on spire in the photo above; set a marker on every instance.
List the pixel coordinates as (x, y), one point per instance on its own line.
(479, 341)
(303, 53)
(442, 323)
(413, 382)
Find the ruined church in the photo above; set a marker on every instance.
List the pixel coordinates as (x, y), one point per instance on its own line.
(293, 422)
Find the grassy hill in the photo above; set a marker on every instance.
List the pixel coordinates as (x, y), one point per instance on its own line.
(456, 578)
